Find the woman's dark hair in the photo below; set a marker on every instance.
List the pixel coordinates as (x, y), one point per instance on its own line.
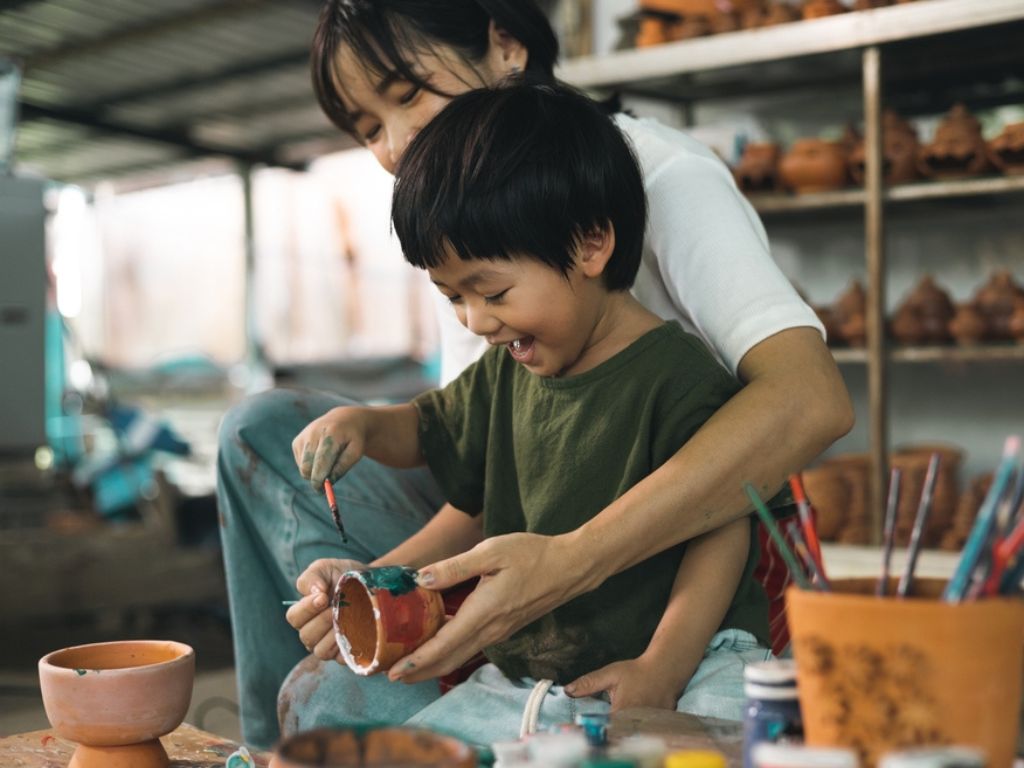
(519, 171)
(382, 33)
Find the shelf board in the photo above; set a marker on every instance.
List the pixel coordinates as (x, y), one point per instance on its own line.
(845, 356)
(974, 354)
(786, 41)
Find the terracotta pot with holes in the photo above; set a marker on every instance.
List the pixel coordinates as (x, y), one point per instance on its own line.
(958, 149)
(997, 301)
(913, 461)
(900, 147)
(968, 326)
(813, 165)
(757, 170)
(1007, 150)
(816, 9)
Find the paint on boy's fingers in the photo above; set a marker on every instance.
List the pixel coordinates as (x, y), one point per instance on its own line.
(424, 578)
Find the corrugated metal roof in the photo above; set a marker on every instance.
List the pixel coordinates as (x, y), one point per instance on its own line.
(116, 86)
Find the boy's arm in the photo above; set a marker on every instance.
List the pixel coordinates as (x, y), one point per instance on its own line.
(701, 595)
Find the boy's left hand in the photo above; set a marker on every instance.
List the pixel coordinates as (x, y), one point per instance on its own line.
(634, 683)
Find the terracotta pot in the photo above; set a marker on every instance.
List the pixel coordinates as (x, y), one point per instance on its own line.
(381, 615)
(900, 148)
(880, 674)
(688, 27)
(997, 301)
(815, 9)
(967, 508)
(854, 468)
(1017, 322)
(906, 328)
(958, 149)
(372, 746)
(1006, 150)
(867, 5)
(853, 301)
(827, 489)
(968, 325)
(117, 699)
(813, 165)
(924, 316)
(827, 317)
(913, 461)
(779, 13)
(757, 170)
(652, 32)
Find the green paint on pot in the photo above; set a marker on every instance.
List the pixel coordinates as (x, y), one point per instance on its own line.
(80, 672)
(396, 579)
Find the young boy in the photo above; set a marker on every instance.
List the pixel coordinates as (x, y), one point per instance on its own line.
(526, 207)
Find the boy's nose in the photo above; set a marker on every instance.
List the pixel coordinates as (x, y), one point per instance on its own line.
(481, 322)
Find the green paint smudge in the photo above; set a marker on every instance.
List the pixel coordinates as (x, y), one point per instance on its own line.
(396, 579)
(80, 672)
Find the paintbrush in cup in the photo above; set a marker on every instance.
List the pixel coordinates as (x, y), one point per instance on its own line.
(768, 521)
(800, 545)
(889, 532)
(335, 514)
(1002, 555)
(806, 514)
(923, 508)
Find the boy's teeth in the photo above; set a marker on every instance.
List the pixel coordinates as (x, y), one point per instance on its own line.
(517, 345)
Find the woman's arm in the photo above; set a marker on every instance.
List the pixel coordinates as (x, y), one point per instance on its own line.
(794, 405)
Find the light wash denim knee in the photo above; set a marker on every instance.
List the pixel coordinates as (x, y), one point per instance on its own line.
(273, 525)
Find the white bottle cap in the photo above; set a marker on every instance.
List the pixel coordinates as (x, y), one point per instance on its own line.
(767, 755)
(776, 672)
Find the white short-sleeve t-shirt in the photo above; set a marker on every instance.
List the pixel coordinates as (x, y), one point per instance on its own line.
(705, 259)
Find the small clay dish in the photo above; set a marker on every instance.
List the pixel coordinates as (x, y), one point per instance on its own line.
(371, 746)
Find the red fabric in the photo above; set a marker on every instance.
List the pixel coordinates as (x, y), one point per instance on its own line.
(771, 572)
(453, 598)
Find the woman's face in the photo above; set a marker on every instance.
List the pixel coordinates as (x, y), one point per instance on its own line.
(387, 112)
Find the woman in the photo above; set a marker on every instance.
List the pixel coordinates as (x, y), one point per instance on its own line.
(382, 69)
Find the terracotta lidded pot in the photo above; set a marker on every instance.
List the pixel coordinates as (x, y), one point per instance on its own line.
(924, 316)
(769, 15)
(968, 325)
(958, 149)
(813, 165)
(997, 300)
(913, 461)
(382, 615)
(1017, 322)
(900, 147)
(849, 315)
(815, 9)
(372, 746)
(1007, 149)
(117, 699)
(757, 170)
(867, 5)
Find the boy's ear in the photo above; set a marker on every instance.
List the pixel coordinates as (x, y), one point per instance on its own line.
(596, 249)
(506, 54)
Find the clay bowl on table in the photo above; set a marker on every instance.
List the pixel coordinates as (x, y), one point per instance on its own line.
(117, 699)
(369, 746)
(381, 615)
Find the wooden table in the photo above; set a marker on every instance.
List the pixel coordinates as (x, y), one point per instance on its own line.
(188, 747)
(681, 731)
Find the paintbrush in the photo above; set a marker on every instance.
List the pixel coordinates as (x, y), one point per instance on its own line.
(800, 545)
(806, 514)
(923, 508)
(768, 521)
(890, 529)
(329, 490)
(982, 528)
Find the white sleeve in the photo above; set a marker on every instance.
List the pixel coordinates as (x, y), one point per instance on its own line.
(712, 253)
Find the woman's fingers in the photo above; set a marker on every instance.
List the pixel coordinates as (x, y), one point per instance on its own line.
(315, 631)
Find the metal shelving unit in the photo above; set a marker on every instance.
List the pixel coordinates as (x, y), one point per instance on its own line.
(902, 46)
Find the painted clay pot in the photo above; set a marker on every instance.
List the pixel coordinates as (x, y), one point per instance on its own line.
(381, 615)
(372, 746)
(900, 147)
(1007, 149)
(117, 699)
(757, 170)
(815, 9)
(997, 301)
(968, 326)
(882, 674)
(967, 507)
(813, 165)
(958, 149)
(913, 462)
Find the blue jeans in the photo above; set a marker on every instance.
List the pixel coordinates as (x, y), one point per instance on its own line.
(273, 525)
(488, 707)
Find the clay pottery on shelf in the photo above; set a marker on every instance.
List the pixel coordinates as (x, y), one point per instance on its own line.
(1017, 322)
(849, 315)
(854, 468)
(1007, 149)
(900, 147)
(651, 32)
(867, 5)
(827, 490)
(958, 149)
(688, 27)
(827, 316)
(968, 325)
(906, 327)
(997, 300)
(725, 21)
(117, 699)
(757, 170)
(924, 316)
(815, 9)
(913, 461)
(381, 615)
(813, 165)
(769, 15)
(967, 508)
(371, 746)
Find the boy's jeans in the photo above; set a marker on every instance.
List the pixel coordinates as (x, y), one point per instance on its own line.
(488, 707)
(273, 525)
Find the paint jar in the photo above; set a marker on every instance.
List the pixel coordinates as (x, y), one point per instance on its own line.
(646, 751)
(510, 753)
(595, 727)
(773, 705)
(766, 755)
(558, 749)
(938, 757)
(696, 758)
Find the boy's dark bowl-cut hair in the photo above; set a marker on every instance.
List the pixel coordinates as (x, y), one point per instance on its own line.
(522, 170)
(385, 34)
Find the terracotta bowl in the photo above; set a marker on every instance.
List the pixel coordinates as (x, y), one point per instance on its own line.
(372, 746)
(117, 699)
(381, 615)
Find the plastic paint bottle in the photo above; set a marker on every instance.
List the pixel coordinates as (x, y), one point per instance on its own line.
(934, 757)
(696, 758)
(773, 706)
(767, 755)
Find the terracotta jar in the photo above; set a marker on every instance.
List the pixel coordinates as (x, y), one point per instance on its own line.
(778, 13)
(900, 148)
(913, 462)
(924, 316)
(371, 746)
(1017, 322)
(117, 699)
(849, 315)
(815, 9)
(1007, 149)
(688, 27)
(997, 301)
(827, 316)
(958, 149)
(757, 170)
(867, 5)
(968, 325)
(967, 508)
(813, 165)
(905, 326)
(652, 32)
(381, 615)
(854, 468)
(827, 490)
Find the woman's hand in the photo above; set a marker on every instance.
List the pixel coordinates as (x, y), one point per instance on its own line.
(329, 446)
(312, 616)
(639, 682)
(522, 577)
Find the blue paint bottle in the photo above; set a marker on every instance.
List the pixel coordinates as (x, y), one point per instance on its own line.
(773, 709)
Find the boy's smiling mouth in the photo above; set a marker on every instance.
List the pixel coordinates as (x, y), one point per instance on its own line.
(521, 349)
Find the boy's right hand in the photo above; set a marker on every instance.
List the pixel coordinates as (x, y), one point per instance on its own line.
(329, 446)
(311, 616)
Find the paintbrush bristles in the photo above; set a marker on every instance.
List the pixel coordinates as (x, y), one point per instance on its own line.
(890, 529)
(335, 513)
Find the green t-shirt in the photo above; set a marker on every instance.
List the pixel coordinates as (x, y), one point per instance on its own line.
(545, 455)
